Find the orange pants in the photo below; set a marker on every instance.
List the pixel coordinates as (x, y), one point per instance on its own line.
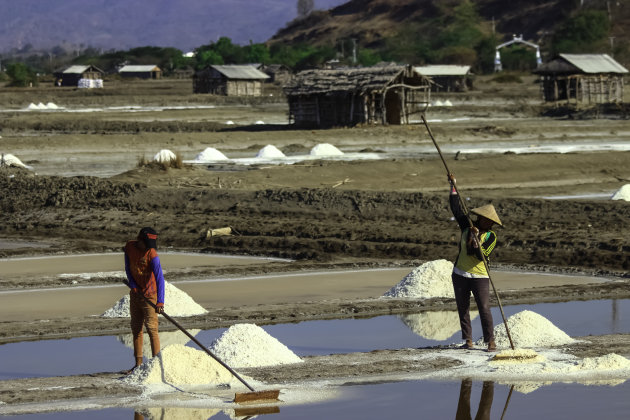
(142, 313)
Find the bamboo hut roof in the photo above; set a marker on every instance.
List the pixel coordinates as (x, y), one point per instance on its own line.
(581, 64)
(364, 79)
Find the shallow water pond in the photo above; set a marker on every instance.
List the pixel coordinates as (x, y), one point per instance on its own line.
(414, 399)
(113, 353)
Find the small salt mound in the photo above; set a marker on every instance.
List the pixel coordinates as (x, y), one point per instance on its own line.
(448, 103)
(325, 149)
(259, 122)
(51, 105)
(435, 325)
(529, 329)
(270, 151)
(623, 193)
(438, 103)
(7, 159)
(180, 365)
(610, 361)
(32, 106)
(248, 345)
(229, 122)
(41, 106)
(431, 279)
(210, 154)
(176, 303)
(164, 156)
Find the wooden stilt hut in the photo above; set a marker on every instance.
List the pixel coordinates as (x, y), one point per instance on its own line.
(388, 94)
(582, 79)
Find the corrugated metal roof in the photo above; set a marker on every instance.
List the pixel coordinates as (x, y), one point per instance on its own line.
(76, 69)
(594, 63)
(240, 72)
(139, 68)
(443, 70)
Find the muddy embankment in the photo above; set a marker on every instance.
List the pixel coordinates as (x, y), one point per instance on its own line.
(325, 224)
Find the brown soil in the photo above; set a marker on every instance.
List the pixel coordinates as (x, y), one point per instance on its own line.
(391, 212)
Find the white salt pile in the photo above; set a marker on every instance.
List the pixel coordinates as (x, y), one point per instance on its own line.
(431, 279)
(7, 159)
(167, 338)
(529, 329)
(435, 325)
(51, 105)
(448, 103)
(229, 122)
(180, 365)
(210, 154)
(610, 361)
(438, 103)
(325, 149)
(248, 345)
(623, 193)
(176, 303)
(270, 151)
(259, 122)
(164, 156)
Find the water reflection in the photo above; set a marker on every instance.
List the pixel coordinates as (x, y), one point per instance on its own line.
(485, 401)
(187, 413)
(434, 325)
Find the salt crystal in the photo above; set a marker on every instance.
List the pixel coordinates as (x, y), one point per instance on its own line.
(164, 156)
(210, 154)
(431, 279)
(325, 149)
(7, 159)
(610, 361)
(180, 365)
(176, 303)
(529, 329)
(248, 345)
(270, 151)
(623, 193)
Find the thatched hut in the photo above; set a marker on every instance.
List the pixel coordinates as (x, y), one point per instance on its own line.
(230, 80)
(344, 97)
(72, 75)
(448, 77)
(582, 79)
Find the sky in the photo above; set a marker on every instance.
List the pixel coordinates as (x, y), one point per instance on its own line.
(123, 24)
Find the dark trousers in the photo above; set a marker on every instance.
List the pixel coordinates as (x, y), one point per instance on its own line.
(480, 289)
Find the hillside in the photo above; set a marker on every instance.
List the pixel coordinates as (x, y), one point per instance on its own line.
(373, 22)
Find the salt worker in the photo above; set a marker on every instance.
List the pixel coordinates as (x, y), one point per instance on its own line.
(470, 272)
(146, 280)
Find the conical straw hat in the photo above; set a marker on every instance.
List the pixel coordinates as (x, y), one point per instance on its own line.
(488, 212)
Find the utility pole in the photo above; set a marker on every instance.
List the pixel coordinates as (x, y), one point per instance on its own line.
(354, 51)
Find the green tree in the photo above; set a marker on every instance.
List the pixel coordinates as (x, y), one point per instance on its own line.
(257, 53)
(20, 75)
(585, 32)
(367, 57)
(208, 58)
